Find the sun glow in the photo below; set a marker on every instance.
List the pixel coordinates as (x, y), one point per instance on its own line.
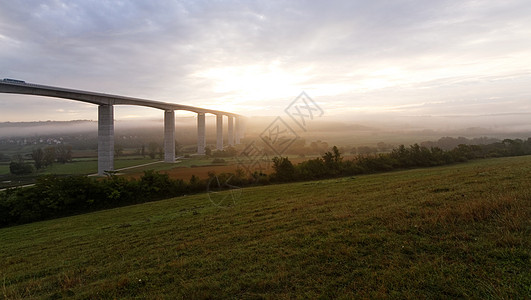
(255, 81)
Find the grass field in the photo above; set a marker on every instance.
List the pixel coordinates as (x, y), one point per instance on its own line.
(181, 169)
(201, 167)
(83, 166)
(4, 168)
(77, 167)
(461, 231)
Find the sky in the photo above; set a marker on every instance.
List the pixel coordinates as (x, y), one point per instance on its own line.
(399, 58)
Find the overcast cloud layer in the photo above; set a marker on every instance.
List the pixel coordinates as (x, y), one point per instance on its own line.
(404, 58)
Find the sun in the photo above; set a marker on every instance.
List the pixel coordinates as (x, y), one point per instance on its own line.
(259, 81)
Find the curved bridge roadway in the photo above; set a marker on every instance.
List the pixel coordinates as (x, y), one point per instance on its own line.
(105, 104)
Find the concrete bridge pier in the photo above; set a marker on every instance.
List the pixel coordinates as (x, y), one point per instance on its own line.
(237, 137)
(169, 136)
(105, 139)
(240, 129)
(201, 134)
(231, 130)
(219, 131)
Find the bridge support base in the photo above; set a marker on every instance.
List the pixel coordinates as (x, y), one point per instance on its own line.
(169, 136)
(105, 139)
(219, 131)
(239, 130)
(231, 130)
(201, 134)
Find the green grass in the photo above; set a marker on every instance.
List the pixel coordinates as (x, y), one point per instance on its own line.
(84, 166)
(461, 231)
(81, 166)
(125, 163)
(194, 161)
(205, 161)
(4, 169)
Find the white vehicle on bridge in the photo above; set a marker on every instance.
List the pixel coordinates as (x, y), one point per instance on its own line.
(9, 80)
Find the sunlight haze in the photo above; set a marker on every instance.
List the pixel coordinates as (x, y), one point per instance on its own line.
(396, 59)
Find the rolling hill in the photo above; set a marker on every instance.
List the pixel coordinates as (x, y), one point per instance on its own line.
(460, 231)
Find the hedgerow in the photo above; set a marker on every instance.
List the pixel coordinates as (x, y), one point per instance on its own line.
(54, 196)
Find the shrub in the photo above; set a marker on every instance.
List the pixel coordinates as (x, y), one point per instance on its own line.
(20, 168)
(284, 169)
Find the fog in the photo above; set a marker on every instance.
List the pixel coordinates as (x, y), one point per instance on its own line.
(369, 129)
(24, 129)
(355, 130)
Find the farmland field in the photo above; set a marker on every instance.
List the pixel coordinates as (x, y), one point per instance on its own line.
(82, 166)
(460, 231)
(200, 167)
(4, 168)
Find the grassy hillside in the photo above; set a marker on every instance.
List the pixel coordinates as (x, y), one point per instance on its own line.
(447, 232)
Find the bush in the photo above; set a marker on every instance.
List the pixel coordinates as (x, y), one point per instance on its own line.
(20, 168)
(3, 157)
(154, 185)
(284, 169)
(54, 196)
(312, 169)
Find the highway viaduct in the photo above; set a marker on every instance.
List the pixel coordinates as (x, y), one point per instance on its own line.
(106, 104)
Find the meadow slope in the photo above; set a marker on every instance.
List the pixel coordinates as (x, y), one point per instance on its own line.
(460, 231)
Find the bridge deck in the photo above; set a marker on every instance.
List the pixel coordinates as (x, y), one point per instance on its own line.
(11, 87)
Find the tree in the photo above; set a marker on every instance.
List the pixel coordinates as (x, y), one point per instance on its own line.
(337, 155)
(332, 160)
(152, 149)
(328, 158)
(19, 167)
(208, 151)
(38, 157)
(143, 150)
(231, 151)
(284, 169)
(118, 150)
(514, 147)
(177, 148)
(49, 156)
(64, 153)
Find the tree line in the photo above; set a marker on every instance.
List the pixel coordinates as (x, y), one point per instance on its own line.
(331, 164)
(54, 196)
(42, 158)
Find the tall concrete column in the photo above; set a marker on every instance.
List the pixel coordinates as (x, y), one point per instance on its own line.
(240, 122)
(105, 139)
(169, 136)
(201, 134)
(231, 130)
(237, 135)
(219, 131)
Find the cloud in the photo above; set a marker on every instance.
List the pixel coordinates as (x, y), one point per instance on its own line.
(260, 54)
